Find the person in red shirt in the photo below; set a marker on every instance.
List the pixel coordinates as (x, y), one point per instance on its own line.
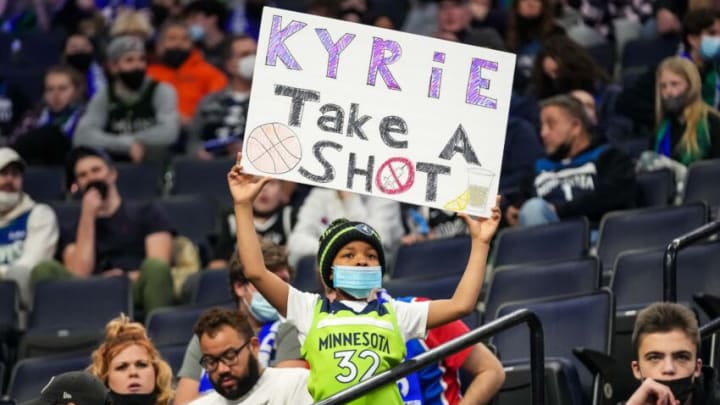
(184, 68)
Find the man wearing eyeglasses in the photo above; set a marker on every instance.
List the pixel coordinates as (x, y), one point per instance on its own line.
(230, 357)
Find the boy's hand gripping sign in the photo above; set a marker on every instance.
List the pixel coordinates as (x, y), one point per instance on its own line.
(378, 112)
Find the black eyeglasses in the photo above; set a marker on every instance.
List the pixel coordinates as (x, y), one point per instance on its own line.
(228, 357)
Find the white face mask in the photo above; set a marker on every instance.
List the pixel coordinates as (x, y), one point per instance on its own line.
(246, 66)
(8, 200)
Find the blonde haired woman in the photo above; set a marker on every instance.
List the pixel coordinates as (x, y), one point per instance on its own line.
(128, 364)
(688, 129)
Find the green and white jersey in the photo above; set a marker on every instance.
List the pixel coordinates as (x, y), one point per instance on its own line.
(348, 342)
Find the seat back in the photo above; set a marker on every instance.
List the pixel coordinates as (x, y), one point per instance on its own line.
(701, 183)
(604, 55)
(9, 305)
(444, 257)
(213, 288)
(30, 375)
(56, 304)
(44, 183)
(545, 280)
(173, 355)
(564, 240)
(172, 326)
(307, 277)
(656, 188)
(647, 53)
(191, 177)
(645, 229)
(431, 287)
(562, 384)
(576, 321)
(139, 181)
(193, 216)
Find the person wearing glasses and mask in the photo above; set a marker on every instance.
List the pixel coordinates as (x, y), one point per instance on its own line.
(230, 357)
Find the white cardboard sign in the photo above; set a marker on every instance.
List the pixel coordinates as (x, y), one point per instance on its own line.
(379, 112)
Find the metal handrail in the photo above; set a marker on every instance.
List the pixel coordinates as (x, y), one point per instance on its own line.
(537, 358)
(671, 252)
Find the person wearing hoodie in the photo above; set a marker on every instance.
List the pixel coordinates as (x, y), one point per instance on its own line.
(28, 230)
(133, 113)
(185, 69)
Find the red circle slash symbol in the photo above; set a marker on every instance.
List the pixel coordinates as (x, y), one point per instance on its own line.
(396, 175)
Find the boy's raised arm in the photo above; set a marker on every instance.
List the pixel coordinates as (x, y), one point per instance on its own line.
(244, 188)
(467, 292)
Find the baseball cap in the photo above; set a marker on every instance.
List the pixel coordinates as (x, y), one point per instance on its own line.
(8, 155)
(77, 387)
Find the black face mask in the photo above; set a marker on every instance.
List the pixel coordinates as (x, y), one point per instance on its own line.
(243, 385)
(674, 105)
(133, 399)
(174, 57)
(100, 186)
(132, 79)
(561, 152)
(681, 388)
(80, 61)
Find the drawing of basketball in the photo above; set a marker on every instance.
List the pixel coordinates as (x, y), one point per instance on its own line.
(273, 148)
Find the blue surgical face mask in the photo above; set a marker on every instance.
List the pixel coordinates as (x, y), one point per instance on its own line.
(710, 47)
(197, 32)
(261, 309)
(358, 281)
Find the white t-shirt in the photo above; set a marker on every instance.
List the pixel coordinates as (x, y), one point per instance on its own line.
(411, 316)
(276, 386)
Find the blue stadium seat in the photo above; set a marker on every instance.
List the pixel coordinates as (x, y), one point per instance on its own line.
(40, 49)
(544, 280)
(648, 53)
(173, 355)
(604, 55)
(172, 326)
(213, 288)
(44, 184)
(6, 41)
(645, 229)
(29, 80)
(29, 376)
(656, 188)
(192, 216)
(139, 181)
(307, 276)
(440, 257)
(9, 305)
(702, 183)
(203, 177)
(564, 240)
(431, 287)
(579, 321)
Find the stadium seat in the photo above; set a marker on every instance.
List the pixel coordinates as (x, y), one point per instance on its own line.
(561, 383)
(29, 376)
(536, 281)
(29, 80)
(9, 305)
(213, 288)
(647, 53)
(431, 287)
(40, 49)
(173, 355)
(54, 325)
(645, 229)
(192, 176)
(306, 275)
(67, 213)
(173, 325)
(604, 55)
(6, 51)
(579, 321)
(564, 240)
(440, 257)
(44, 184)
(656, 188)
(139, 181)
(192, 216)
(701, 184)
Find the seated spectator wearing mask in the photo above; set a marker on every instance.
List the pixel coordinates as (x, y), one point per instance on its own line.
(207, 20)
(687, 129)
(185, 69)
(134, 112)
(79, 53)
(666, 343)
(44, 136)
(279, 345)
(218, 128)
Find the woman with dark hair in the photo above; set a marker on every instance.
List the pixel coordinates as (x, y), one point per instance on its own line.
(562, 66)
(529, 23)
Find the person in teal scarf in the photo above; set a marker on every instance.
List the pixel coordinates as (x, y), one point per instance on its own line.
(688, 129)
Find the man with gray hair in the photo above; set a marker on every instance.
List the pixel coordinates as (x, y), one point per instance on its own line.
(133, 112)
(579, 176)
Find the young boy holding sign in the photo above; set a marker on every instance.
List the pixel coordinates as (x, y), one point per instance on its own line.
(357, 335)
